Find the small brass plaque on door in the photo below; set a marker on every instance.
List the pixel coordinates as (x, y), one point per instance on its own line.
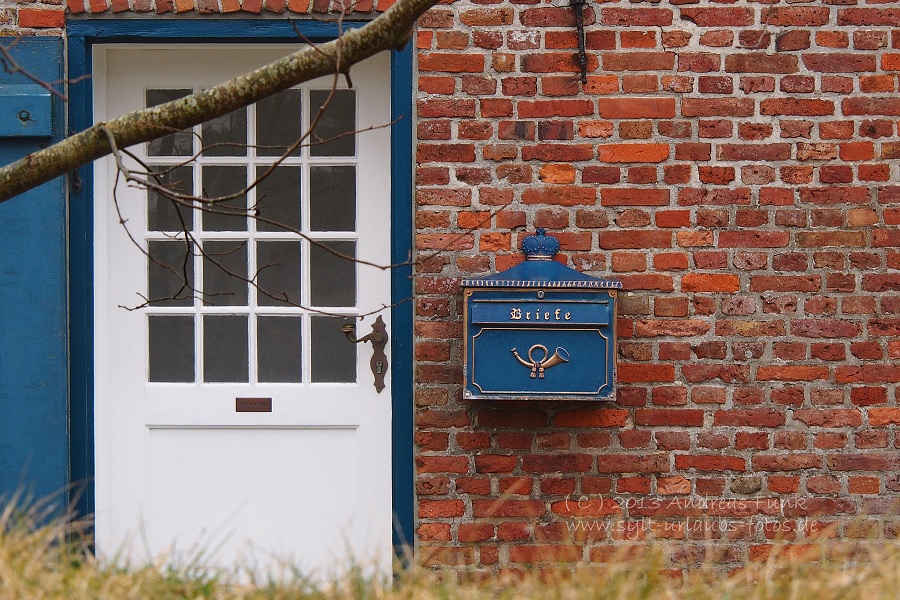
(253, 405)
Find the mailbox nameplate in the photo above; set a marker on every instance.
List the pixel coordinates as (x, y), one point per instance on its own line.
(540, 313)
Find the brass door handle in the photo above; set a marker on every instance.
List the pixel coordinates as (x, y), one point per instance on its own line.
(379, 339)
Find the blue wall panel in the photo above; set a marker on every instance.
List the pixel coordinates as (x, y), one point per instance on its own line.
(33, 344)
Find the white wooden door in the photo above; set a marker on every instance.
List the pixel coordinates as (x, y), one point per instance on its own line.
(183, 340)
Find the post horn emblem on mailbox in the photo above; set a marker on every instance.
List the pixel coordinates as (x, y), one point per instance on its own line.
(539, 366)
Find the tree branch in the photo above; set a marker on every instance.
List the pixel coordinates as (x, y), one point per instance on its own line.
(390, 30)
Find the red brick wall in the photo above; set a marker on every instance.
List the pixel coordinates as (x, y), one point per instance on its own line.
(734, 165)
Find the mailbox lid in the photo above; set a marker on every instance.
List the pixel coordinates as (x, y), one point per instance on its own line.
(539, 270)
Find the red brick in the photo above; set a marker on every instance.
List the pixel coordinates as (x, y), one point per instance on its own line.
(562, 195)
(500, 508)
(562, 16)
(446, 108)
(614, 240)
(724, 107)
(710, 462)
(884, 416)
(792, 40)
(486, 17)
(631, 196)
(883, 462)
(786, 462)
(639, 61)
(434, 532)
(492, 463)
(636, 108)
(679, 417)
(696, 373)
(693, 151)
(474, 532)
(437, 509)
(835, 62)
(671, 261)
(555, 108)
(592, 418)
(556, 463)
(791, 373)
(824, 328)
(797, 106)
(869, 16)
(636, 17)
(868, 373)
(830, 418)
(583, 507)
(718, 17)
(437, 85)
(556, 62)
(761, 63)
(633, 463)
(870, 106)
(798, 16)
(42, 18)
(753, 239)
(698, 282)
(634, 373)
(451, 62)
(552, 554)
(629, 153)
(639, 39)
(749, 418)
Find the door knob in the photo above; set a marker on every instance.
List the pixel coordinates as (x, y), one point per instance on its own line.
(379, 339)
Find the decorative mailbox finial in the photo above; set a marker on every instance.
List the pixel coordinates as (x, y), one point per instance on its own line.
(540, 246)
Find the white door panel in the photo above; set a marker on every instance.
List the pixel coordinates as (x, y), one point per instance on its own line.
(177, 468)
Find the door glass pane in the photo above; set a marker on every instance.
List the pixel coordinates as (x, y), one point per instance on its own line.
(333, 134)
(333, 357)
(225, 355)
(278, 199)
(170, 276)
(278, 349)
(171, 348)
(226, 135)
(219, 182)
(332, 198)
(278, 273)
(163, 213)
(278, 123)
(175, 144)
(225, 273)
(332, 278)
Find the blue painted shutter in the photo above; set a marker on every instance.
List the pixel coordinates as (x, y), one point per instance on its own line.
(33, 344)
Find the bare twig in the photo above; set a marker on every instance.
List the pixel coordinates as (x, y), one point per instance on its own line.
(390, 30)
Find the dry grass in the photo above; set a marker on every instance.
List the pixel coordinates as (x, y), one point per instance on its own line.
(50, 561)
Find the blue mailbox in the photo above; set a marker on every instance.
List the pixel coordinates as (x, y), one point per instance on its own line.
(539, 330)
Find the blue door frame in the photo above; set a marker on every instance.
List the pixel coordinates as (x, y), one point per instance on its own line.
(82, 36)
